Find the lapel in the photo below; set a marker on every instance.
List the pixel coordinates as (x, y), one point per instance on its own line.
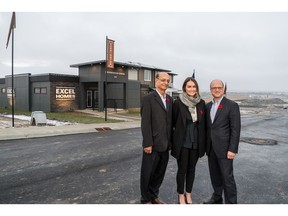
(209, 105)
(219, 110)
(158, 99)
(168, 102)
(183, 111)
(200, 111)
(184, 108)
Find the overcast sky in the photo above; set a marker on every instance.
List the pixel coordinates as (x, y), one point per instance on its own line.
(249, 51)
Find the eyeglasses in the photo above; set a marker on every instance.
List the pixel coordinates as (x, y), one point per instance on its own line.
(216, 88)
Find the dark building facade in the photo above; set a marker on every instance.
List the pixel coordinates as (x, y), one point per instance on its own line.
(47, 92)
(126, 84)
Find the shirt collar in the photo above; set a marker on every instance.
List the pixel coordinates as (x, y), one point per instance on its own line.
(219, 101)
(162, 97)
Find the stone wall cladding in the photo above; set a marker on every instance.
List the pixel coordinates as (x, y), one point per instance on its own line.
(64, 105)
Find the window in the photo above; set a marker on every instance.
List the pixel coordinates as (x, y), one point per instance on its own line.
(37, 90)
(171, 79)
(43, 90)
(132, 74)
(40, 90)
(147, 75)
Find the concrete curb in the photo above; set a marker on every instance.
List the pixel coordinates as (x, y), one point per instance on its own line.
(45, 131)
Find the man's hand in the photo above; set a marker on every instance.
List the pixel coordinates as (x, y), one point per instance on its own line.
(230, 155)
(148, 150)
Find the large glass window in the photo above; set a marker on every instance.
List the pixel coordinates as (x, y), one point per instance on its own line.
(147, 75)
(132, 74)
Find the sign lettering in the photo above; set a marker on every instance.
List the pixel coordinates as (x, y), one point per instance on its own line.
(65, 93)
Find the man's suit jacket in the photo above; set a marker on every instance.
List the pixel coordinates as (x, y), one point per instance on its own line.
(179, 125)
(224, 133)
(156, 122)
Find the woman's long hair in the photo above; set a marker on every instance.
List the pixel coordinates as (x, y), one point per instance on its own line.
(194, 81)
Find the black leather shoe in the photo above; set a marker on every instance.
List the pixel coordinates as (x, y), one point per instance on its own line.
(214, 201)
(157, 201)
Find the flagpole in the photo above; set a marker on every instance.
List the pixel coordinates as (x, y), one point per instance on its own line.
(105, 90)
(11, 30)
(13, 77)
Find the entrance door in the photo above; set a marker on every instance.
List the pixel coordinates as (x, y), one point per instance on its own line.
(89, 101)
(96, 99)
(92, 99)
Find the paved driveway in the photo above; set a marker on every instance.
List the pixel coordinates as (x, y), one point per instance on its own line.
(104, 167)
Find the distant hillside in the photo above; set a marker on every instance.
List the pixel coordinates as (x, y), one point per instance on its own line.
(255, 102)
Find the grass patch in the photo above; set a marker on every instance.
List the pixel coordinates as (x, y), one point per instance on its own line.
(77, 117)
(65, 116)
(134, 111)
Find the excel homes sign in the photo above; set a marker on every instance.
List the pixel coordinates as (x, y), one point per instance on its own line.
(65, 93)
(9, 92)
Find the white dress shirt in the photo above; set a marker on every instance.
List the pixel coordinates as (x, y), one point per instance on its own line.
(214, 108)
(163, 98)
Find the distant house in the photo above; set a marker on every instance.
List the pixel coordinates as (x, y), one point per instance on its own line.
(127, 83)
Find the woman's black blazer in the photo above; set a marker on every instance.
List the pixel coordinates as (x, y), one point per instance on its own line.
(179, 127)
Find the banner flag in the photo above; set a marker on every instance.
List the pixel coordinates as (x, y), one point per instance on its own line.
(110, 54)
(193, 75)
(12, 26)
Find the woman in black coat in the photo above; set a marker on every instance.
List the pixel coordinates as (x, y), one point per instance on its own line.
(188, 136)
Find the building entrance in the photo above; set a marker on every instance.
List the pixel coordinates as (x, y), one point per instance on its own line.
(92, 99)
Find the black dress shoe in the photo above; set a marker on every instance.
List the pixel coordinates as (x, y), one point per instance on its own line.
(157, 201)
(214, 201)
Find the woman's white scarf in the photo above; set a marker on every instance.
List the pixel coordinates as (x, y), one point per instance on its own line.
(191, 103)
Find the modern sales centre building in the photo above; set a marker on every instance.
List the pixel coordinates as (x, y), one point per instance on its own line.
(127, 83)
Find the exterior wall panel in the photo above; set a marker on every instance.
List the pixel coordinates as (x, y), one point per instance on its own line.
(40, 102)
(133, 94)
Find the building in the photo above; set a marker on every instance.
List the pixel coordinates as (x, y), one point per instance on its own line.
(45, 92)
(127, 83)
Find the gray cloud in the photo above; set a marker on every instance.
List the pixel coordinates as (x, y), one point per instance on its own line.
(247, 50)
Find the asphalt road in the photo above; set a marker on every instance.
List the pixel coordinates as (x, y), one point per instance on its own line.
(104, 167)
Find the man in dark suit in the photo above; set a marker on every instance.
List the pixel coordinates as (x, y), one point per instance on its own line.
(156, 126)
(223, 134)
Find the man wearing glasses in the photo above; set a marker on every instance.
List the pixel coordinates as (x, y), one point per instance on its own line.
(223, 134)
(156, 127)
